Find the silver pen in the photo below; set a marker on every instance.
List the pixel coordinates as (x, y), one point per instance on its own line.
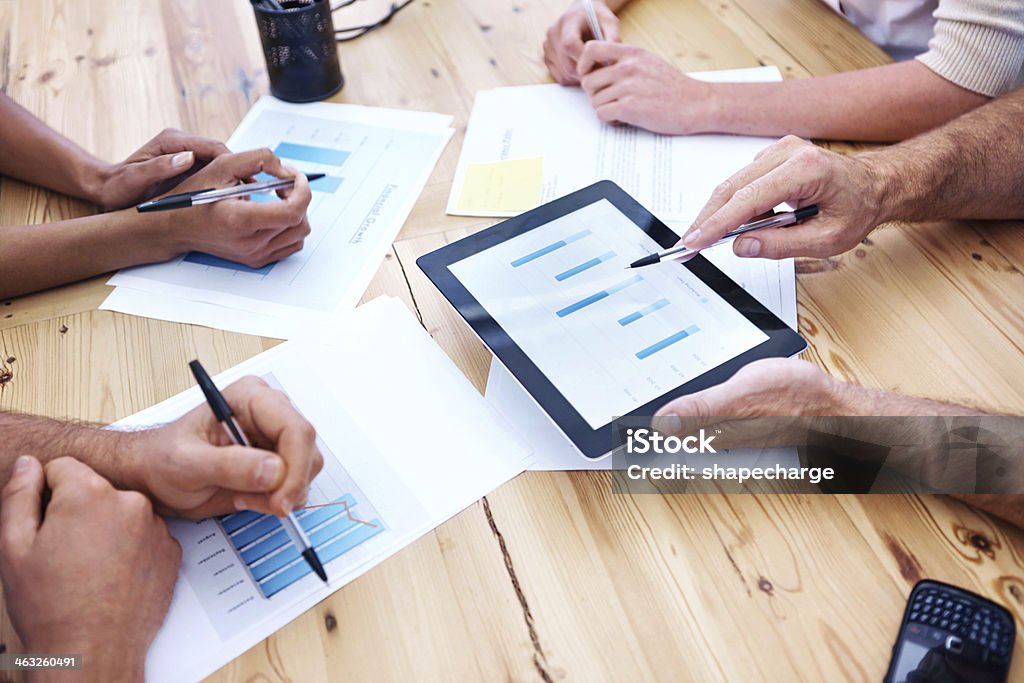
(779, 220)
(184, 200)
(595, 27)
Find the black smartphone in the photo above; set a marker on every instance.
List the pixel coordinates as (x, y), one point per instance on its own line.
(950, 635)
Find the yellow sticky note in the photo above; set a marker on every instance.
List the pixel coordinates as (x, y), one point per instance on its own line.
(511, 185)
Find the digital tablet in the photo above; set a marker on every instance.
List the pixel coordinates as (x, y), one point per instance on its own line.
(591, 340)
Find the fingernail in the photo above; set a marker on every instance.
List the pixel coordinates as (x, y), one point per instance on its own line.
(690, 238)
(181, 159)
(22, 464)
(286, 503)
(667, 424)
(239, 504)
(268, 472)
(748, 247)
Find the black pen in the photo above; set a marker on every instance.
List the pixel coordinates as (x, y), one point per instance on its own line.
(183, 200)
(222, 411)
(779, 220)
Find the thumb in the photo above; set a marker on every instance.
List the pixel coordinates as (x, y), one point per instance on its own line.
(21, 506)
(780, 243)
(237, 468)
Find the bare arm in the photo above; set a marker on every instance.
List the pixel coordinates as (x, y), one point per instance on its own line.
(972, 167)
(885, 103)
(627, 84)
(34, 257)
(37, 154)
(189, 467)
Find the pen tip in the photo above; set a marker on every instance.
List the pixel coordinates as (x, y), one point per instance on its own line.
(314, 562)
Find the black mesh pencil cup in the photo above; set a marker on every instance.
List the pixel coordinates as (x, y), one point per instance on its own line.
(300, 48)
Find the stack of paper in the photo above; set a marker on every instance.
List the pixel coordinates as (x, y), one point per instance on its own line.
(377, 162)
(383, 485)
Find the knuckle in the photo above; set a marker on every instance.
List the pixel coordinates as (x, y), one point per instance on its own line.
(135, 504)
(724, 189)
(806, 157)
(747, 193)
(791, 141)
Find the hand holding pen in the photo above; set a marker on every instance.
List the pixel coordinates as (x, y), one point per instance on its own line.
(779, 220)
(225, 418)
(247, 232)
(794, 171)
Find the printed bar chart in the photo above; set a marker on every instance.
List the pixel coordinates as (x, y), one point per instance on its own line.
(271, 557)
(199, 258)
(647, 310)
(667, 342)
(594, 298)
(543, 251)
(311, 154)
(586, 265)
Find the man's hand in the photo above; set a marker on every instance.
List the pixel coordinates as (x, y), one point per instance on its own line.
(191, 468)
(765, 388)
(95, 576)
(847, 190)
(154, 167)
(564, 43)
(630, 85)
(253, 233)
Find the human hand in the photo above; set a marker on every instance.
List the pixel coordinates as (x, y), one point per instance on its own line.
(847, 190)
(252, 233)
(771, 387)
(94, 577)
(630, 85)
(152, 169)
(191, 468)
(564, 42)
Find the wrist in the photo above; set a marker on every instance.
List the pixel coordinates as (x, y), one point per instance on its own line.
(151, 236)
(886, 187)
(90, 179)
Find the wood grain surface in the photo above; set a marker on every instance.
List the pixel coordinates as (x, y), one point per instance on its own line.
(551, 577)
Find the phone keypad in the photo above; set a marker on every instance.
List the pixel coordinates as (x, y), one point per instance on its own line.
(984, 626)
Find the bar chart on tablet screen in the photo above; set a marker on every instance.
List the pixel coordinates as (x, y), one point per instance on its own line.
(609, 338)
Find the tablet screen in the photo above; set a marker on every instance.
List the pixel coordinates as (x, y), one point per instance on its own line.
(610, 339)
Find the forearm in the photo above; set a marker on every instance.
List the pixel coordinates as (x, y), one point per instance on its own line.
(36, 257)
(972, 167)
(35, 153)
(850, 399)
(110, 453)
(891, 102)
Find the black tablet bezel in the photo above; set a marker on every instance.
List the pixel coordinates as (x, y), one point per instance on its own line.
(782, 341)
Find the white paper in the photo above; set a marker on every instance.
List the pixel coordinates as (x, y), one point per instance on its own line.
(397, 473)
(610, 339)
(672, 176)
(377, 162)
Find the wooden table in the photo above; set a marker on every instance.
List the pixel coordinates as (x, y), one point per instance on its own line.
(551, 577)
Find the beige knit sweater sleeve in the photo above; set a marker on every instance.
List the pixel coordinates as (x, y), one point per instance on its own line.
(979, 44)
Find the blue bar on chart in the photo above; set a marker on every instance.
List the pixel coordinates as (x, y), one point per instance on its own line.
(586, 265)
(647, 310)
(201, 259)
(275, 562)
(314, 155)
(594, 298)
(667, 342)
(328, 183)
(550, 248)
